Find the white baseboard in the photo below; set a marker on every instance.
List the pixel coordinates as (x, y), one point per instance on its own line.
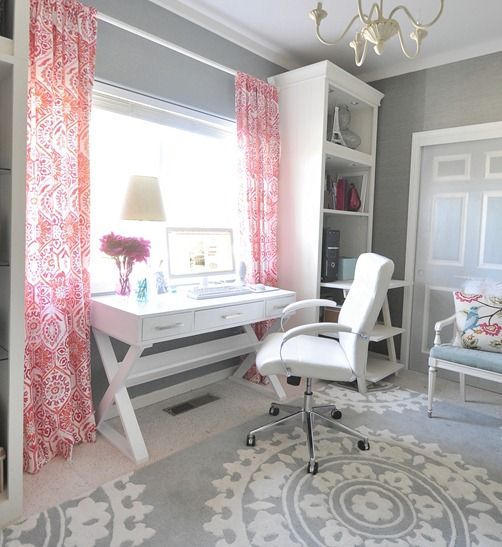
(178, 389)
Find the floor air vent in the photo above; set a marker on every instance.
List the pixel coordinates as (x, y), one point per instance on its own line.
(190, 404)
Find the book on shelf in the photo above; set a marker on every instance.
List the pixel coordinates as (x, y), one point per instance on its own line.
(342, 194)
(330, 192)
(346, 192)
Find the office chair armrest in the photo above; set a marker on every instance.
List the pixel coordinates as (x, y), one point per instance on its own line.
(314, 328)
(439, 325)
(308, 303)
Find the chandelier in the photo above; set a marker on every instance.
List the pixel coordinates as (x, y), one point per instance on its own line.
(376, 29)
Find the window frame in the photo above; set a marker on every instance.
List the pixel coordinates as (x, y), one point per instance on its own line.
(135, 104)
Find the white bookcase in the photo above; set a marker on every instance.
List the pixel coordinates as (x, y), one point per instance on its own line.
(13, 90)
(307, 100)
(379, 366)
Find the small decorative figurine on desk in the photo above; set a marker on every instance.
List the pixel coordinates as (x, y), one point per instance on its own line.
(142, 290)
(160, 281)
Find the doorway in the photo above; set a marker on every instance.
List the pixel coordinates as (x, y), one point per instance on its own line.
(454, 225)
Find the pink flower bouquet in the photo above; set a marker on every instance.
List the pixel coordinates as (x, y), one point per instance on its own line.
(125, 251)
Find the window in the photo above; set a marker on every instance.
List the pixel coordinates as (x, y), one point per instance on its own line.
(192, 154)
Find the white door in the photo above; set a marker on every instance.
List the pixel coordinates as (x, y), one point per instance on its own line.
(459, 232)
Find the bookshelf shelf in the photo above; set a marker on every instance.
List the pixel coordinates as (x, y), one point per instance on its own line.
(345, 213)
(6, 47)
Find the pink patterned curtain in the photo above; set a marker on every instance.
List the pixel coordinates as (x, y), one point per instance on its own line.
(58, 411)
(257, 112)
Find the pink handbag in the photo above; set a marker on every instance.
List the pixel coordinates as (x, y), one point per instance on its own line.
(354, 201)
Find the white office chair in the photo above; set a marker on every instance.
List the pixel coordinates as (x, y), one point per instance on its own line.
(300, 353)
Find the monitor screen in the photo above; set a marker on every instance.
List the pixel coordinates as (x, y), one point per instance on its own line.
(199, 251)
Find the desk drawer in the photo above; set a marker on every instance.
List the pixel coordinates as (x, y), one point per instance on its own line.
(165, 326)
(277, 305)
(229, 315)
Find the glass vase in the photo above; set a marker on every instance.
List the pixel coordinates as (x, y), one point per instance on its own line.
(124, 265)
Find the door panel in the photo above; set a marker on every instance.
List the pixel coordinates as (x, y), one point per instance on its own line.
(447, 238)
(458, 234)
(493, 165)
(490, 255)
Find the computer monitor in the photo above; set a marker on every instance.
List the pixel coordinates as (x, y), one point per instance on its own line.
(200, 252)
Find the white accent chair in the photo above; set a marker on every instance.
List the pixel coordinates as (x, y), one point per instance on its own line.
(467, 362)
(301, 353)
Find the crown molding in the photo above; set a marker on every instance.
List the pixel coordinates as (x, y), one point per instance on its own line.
(431, 61)
(188, 9)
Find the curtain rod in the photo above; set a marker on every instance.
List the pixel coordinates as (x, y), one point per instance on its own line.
(165, 43)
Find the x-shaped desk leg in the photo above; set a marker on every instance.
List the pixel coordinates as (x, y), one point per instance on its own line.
(132, 444)
(251, 358)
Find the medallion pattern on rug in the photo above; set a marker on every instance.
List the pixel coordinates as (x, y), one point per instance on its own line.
(400, 493)
(388, 396)
(114, 516)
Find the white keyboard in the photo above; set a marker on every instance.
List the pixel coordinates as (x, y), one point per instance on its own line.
(218, 291)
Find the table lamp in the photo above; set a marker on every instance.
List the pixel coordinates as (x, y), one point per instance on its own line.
(143, 200)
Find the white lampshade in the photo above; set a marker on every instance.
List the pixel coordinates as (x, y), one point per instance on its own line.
(143, 200)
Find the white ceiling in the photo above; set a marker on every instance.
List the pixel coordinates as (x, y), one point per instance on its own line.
(281, 31)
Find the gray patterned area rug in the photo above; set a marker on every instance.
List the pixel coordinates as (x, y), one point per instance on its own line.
(425, 482)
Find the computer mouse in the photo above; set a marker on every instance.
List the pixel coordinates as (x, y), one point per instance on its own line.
(259, 287)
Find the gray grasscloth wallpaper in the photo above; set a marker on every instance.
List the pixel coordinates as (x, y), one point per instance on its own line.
(461, 93)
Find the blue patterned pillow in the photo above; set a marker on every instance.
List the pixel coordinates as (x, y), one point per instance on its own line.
(479, 321)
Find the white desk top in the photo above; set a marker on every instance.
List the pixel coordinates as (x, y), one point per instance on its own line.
(179, 302)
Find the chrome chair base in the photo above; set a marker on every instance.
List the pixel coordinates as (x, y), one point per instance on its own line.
(307, 414)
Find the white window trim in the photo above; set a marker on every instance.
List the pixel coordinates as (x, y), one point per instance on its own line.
(102, 91)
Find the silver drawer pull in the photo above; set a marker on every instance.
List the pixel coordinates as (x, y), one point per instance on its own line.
(231, 316)
(280, 307)
(167, 327)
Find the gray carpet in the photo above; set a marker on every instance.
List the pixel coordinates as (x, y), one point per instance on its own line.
(425, 482)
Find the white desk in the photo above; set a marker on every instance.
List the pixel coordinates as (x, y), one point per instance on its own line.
(168, 317)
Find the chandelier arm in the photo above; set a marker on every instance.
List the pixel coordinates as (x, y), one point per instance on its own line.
(325, 42)
(365, 19)
(401, 41)
(360, 61)
(413, 20)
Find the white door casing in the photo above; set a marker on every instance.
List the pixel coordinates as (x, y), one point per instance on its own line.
(463, 182)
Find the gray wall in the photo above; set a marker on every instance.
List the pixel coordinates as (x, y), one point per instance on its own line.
(133, 63)
(462, 93)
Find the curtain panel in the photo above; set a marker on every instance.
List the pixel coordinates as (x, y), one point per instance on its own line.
(58, 410)
(257, 115)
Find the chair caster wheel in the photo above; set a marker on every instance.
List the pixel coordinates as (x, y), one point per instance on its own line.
(363, 445)
(336, 414)
(312, 468)
(429, 413)
(250, 440)
(273, 410)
